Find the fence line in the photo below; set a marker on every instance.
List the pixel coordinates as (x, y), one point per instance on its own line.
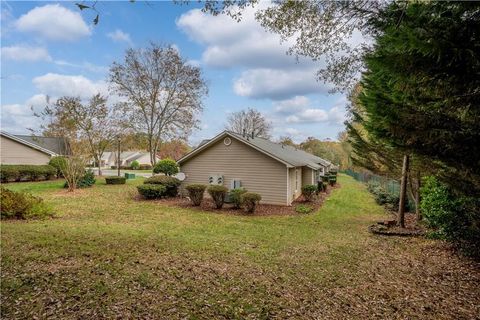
(392, 186)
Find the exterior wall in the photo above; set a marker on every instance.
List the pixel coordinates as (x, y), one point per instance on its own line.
(13, 152)
(308, 176)
(257, 172)
(295, 183)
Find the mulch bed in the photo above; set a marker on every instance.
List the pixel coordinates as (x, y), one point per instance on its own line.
(262, 209)
(389, 228)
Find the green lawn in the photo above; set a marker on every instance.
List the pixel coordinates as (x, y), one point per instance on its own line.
(107, 255)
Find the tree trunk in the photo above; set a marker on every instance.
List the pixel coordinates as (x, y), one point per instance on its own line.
(118, 158)
(403, 193)
(417, 197)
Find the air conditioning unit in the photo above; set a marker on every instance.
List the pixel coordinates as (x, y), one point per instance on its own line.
(215, 180)
(235, 184)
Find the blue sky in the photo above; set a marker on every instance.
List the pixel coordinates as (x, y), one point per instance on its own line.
(51, 48)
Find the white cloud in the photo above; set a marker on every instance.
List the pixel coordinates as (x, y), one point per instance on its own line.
(230, 43)
(58, 85)
(277, 84)
(299, 110)
(119, 36)
(85, 66)
(25, 53)
(53, 22)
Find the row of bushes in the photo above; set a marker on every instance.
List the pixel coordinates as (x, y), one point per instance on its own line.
(115, 180)
(10, 172)
(238, 197)
(20, 205)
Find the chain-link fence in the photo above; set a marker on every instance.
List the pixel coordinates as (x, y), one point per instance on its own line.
(392, 186)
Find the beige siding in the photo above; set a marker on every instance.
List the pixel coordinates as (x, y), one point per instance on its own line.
(295, 183)
(308, 176)
(12, 152)
(257, 172)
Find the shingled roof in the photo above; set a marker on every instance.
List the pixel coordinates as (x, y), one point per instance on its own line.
(290, 156)
(56, 145)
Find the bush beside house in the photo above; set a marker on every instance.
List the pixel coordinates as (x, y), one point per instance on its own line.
(21, 172)
(195, 193)
(218, 194)
(250, 201)
(167, 166)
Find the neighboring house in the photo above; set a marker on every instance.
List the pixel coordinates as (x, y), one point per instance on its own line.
(277, 172)
(24, 149)
(126, 158)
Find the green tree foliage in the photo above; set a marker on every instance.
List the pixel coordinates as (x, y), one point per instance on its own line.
(167, 166)
(451, 217)
(420, 91)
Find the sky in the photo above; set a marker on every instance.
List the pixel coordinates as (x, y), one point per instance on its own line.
(53, 49)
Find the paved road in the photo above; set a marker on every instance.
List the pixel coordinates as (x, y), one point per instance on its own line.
(110, 172)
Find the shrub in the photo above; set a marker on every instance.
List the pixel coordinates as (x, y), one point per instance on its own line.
(152, 191)
(19, 205)
(58, 163)
(301, 208)
(218, 194)
(115, 180)
(26, 172)
(87, 180)
(456, 219)
(332, 179)
(135, 165)
(309, 191)
(113, 167)
(321, 186)
(166, 166)
(382, 196)
(236, 197)
(195, 192)
(145, 167)
(171, 184)
(250, 201)
(9, 173)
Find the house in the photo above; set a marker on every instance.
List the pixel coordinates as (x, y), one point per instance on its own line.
(25, 149)
(276, 171)
(126, 158)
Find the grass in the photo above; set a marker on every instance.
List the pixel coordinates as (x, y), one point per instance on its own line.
(108, 255)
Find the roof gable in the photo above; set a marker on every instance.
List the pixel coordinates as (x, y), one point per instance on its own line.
(28, 143)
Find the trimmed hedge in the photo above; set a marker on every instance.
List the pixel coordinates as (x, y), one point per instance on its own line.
(309, 191)
(218, 194)
(195, 192)
(250, 201)
(236, 197)
(26, 172)
(171, 184)
(115, 180)
(145, 167)
(20, 205)
(152, 191)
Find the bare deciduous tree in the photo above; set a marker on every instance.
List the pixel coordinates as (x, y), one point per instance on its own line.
(92, 122)
(250, 121)
(163, 93)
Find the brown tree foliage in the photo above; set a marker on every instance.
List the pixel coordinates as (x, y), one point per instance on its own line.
(162, 92)
(250, 121)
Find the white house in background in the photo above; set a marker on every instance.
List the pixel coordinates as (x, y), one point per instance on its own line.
(126, 158)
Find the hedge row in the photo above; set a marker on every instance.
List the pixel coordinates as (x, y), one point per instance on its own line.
(115, 180)
(25, 172)
(134, 167)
